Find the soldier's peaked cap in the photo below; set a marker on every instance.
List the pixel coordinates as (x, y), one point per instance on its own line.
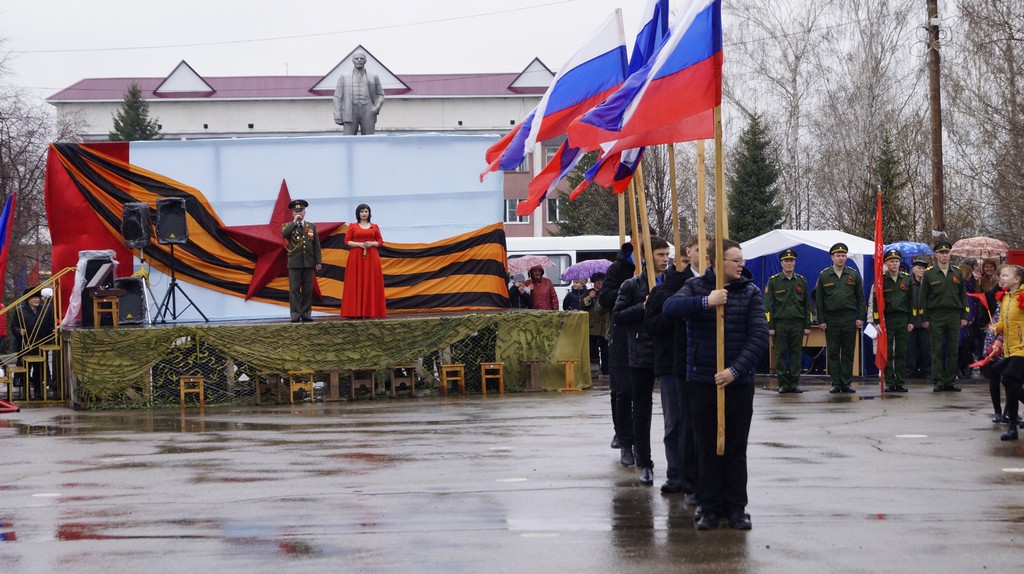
(298, 204)
(893, 254)
(839, 248)
(787, 254)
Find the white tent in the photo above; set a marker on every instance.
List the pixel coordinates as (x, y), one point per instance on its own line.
(773, 242)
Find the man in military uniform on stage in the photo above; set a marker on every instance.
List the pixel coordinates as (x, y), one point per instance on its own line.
(787, 304)
(839, 298)
(898, 290)
(303, 246)
(944, 310)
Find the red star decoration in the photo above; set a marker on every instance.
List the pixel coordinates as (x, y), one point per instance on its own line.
(268, 245)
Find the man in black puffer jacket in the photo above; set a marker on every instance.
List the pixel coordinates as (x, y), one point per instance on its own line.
(629, 311)
(722, 481)
(670, 368)
(618, 356)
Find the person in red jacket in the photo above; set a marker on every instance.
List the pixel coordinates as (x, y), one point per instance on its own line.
(542, 291)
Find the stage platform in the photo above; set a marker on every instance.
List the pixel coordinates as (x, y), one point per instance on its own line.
(139, 366)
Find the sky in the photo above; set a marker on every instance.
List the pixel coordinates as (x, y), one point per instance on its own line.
(52, 44)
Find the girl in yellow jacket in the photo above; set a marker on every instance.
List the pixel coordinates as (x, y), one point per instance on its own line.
(1011, 326)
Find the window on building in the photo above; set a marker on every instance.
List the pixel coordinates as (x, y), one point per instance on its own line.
(556, 210)
(523, 167)
(510, 212)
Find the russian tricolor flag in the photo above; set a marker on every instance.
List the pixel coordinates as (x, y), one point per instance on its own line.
(6, 226)
(593, 73)
(613, 170)
(670, 99)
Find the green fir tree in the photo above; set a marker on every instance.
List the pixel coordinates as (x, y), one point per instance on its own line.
(896, 224)
(131, 122)
(754, 206)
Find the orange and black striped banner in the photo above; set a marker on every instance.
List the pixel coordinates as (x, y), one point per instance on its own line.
(465, 272)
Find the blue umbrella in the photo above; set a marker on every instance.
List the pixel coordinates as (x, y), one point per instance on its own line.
(910, 249)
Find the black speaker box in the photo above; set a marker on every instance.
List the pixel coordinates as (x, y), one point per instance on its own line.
(170, 221)
(131, 307)
(91, 267)
(135, 225)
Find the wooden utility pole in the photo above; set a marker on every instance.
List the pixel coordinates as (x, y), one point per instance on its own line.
(935, 104)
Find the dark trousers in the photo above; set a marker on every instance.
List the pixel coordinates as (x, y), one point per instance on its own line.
(919, 352)
(599, 352)
(788, 345)
(994, 382)
(896, 335)
(841, 340)
(643, 406)
(300, 292)
(680, 446)
(945, 331)
(722, 480)
(1013, 397)
(621, 387)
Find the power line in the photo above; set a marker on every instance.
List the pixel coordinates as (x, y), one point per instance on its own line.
(297, 36)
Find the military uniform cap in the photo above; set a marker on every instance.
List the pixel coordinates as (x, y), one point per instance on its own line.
(893, 254)
(787, 254)
(839, 248)
(920, 263)
(298, 204)
(942, 247)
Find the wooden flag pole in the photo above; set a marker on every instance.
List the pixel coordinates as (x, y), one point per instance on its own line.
(636, 233)
(622, 218)
(645, 225)
(721, 231)
(675, 206)
(702, 206)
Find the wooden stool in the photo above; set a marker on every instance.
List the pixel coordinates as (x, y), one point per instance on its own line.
(267, 381)
(492, 372)
(533, 370)
(454, 373)
(102, 306)
(409, 378)
(570, 375)
(300, 380)
(193, 385)
(371, 381)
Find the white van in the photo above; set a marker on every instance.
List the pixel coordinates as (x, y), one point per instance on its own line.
(563, 252)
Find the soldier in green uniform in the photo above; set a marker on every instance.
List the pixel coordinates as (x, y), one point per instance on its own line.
(898, 291)
(303, 246)
(944, 310)
(787, 304)
(839, 299)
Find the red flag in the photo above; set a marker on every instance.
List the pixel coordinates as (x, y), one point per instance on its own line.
(882, 355)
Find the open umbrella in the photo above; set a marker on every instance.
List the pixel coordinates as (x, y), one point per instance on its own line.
(979, 247)
(584, 269)
(910, 248)
(524, 263)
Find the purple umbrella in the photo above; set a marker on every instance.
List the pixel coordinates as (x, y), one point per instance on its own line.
(584, 269)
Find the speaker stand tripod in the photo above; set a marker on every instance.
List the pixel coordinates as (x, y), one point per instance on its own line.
(170, 303)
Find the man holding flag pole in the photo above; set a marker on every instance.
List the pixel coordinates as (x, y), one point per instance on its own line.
(891, 306)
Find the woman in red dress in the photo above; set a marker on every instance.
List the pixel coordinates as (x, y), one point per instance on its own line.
(363, 297)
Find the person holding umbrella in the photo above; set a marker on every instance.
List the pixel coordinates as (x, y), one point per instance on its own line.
(542, 292)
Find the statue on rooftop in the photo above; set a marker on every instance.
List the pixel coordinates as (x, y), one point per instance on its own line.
(358, 99)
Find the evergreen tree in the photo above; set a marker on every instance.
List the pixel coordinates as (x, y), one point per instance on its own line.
(594, 212)
(131, 122)
(754, 206)
(896, 224)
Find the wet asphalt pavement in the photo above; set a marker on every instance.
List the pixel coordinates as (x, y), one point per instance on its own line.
(520, 483)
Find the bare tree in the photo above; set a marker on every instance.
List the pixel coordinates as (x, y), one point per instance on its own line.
(776, 79)
(26, 129)
(984, 92)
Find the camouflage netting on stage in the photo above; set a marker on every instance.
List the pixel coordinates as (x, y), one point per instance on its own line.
(141, 367)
